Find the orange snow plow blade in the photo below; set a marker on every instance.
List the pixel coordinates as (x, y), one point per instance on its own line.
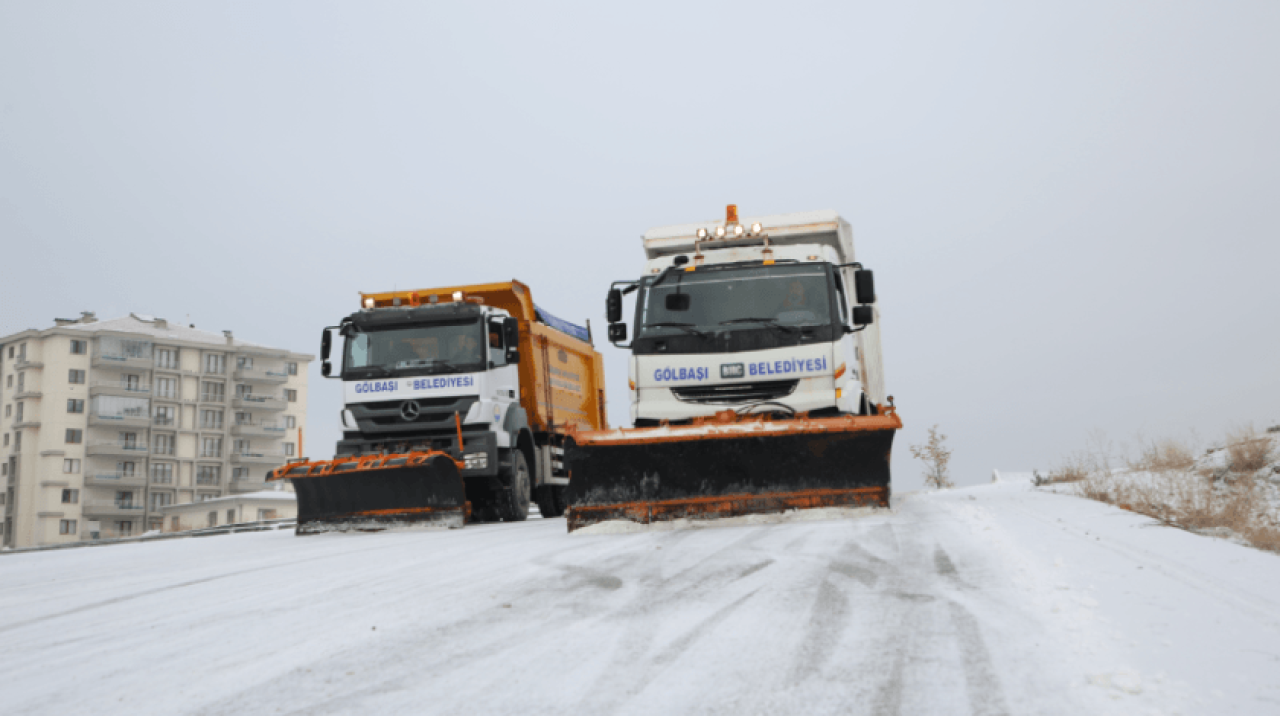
(378, 492)
(728, 465)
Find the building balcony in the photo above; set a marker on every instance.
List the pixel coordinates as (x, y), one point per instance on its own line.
(115, 479)
(259, 402)
(242, 486)
(23, 364)
(164, 421)
(26, 423)
(259, 457)
(258, 430)
(110, 361)
(114, 508)
(119, 388)
(119, 421)
(116, 448)
(24, 393)
(270, 376)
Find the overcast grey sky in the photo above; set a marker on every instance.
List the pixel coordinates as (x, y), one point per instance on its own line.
(1071, 208)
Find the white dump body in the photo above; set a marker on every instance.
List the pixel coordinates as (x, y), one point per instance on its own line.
(806, 237)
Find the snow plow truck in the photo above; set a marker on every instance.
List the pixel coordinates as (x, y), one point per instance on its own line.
(457, 403)
(755, 378)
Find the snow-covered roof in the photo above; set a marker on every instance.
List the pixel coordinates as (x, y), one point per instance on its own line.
(159, 328)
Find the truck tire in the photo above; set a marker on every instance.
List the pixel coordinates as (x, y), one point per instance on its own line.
(551, 500)
(513, 502)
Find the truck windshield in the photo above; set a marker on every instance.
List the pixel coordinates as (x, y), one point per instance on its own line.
(781, 297)
(454, 347)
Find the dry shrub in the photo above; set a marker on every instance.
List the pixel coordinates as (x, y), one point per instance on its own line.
(936, 458)
(1163, 456)
(1247, 451)
(1191, 502)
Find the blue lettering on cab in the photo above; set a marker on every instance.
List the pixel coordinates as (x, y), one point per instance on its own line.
(791, 365)
(665, 375)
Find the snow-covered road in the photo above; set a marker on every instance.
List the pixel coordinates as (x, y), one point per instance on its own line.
(995, 599)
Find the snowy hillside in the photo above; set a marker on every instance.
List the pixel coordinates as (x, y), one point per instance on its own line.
(994, 599)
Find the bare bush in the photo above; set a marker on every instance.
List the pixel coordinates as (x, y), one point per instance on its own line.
(1247, 451)
(1164, 455)
(936, 458)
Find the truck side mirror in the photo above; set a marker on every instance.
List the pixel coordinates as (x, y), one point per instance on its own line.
(863, 315)
(865, 287)
(617, 332)
(511, 336)
(326, 368)
(613, 308)
(326, 345)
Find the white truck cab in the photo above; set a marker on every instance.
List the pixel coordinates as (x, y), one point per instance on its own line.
(759, 314)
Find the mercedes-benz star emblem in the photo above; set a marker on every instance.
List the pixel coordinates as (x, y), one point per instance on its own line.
(409, 410)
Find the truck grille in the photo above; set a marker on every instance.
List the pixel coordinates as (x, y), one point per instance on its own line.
(734, 393)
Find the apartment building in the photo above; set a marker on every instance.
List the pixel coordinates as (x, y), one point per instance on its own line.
(106, 423)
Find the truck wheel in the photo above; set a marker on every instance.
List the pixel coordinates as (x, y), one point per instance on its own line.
(551, 500)
(513, 502)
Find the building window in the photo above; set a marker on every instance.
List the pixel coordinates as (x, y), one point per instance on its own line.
(66, 527)
(163, 445)
(8, 410)
(208, 475)
(165, 415)
(22, 352)
(213, 392)
(22, 382)
(243, 390)
(211, 419)
(291, 395)
(126, 469)
(244, 419)
(160, 499)
(162, 473)
(124, 528)
(10, 352)
(10, 381)
(243, 362)
(167, 358)
(211, 447)
(4, 470)
(6, 439)
(215, 363)
(79, 348)
(212, 519)
(75, 377)
(239, 473)
(17, 440)
(241, 447)
(231, 517)
(293, 368)
(166, 388)
(75, 405)
(74, 436)
(70, 497)
(290, 421)
(71, 466)
(175, 524)
(266, 515)
(124, 499)
(290, 449)
(19, 418)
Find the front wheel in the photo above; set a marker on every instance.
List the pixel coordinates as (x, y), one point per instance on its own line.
(513, 501)
(551, 500)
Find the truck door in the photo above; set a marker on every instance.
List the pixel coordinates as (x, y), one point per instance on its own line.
(503, 376)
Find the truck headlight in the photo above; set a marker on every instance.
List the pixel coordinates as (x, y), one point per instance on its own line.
(476, 460)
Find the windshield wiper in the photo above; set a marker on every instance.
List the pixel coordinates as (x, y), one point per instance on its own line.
(770, 322)
(686, 327)
(383, 368)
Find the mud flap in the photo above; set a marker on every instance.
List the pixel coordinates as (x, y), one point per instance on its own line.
(430, 494)
(701, 472)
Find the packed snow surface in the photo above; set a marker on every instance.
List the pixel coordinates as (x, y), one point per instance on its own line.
(995, 599)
